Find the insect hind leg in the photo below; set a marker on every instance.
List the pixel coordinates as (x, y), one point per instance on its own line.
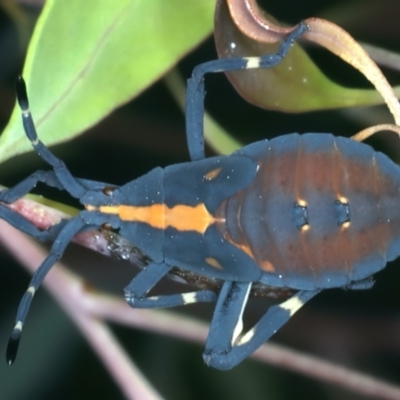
(225, 348)
(195, 87)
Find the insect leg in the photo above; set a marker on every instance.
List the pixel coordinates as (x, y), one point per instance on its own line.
(224, 347)
(195, 87)
(74, 226)
(22, 188)
(49, 178)
(25, 186)
(363, 284)
(136, 291)
(227, 321)
(68, 182)
(23, 225)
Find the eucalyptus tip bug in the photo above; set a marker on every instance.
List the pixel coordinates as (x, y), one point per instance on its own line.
(293, 214)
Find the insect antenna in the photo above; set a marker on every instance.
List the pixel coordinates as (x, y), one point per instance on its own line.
(70, 183)
(64, 235)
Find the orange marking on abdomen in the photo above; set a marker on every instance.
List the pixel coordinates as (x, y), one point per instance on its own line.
(159, 216)
(212, 174)
(214, 263)
(267, 266)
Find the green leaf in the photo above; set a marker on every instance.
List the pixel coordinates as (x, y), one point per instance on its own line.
(242, 29)
(88, 57)
(297, 85)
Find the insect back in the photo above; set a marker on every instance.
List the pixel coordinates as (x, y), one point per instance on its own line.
(169, 214)
(192, 240)
(322, 211)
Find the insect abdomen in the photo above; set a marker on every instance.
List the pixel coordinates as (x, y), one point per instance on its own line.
(321, 212)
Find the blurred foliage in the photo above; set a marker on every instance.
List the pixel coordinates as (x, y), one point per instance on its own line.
(92, 58)
(296, 84)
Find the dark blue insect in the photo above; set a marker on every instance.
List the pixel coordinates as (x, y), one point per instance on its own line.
(297, 213)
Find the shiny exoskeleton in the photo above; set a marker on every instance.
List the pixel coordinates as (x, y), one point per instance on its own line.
(299, 213)
(320, 213)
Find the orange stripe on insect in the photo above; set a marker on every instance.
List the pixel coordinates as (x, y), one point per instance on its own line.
(159, 216)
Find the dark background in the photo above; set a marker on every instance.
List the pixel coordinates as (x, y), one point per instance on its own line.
(359, 330)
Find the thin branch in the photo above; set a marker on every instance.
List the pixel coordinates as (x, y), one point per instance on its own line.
(128, 377)
(102, 241)
(87, 307)
(67, 289)
(383, 57)
(167, 323)
(43, 217)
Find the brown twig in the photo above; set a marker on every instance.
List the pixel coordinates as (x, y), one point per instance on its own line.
(68, 290)
(87, 309)
(383, 57)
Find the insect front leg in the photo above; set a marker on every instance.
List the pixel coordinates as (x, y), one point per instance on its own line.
(225, 348)
(136, 291)
(49, 178)
(22, 224)
(21, 189)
